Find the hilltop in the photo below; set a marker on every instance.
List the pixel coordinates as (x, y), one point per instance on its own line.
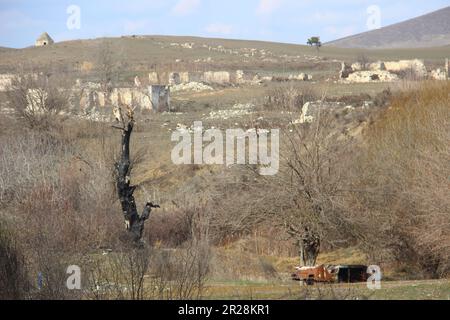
(195, 53)
(430, 30)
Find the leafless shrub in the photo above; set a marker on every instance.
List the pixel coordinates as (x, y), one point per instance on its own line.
(38, 99)
(402, 177)
(14, 282)
(154, 273)
(185, 270)
(119, 276)
(169, 229)
(290, 98)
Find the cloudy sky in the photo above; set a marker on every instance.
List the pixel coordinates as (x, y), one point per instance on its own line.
(21, 21)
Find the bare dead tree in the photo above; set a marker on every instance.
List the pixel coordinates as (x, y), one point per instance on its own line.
(110, 66)
(133, 221)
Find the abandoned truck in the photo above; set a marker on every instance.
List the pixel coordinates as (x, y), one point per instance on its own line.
(331, 274)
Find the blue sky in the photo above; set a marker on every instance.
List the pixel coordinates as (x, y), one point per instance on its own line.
(22, 21)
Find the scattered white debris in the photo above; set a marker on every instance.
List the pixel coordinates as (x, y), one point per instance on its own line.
(191, 86)
(238, 110)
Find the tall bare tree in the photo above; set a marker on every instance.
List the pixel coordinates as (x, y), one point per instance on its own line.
(133, 221)
(306, 197)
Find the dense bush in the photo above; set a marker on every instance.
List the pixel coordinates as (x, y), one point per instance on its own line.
(403, 181)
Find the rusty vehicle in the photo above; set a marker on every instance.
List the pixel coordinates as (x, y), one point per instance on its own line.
(331, 274)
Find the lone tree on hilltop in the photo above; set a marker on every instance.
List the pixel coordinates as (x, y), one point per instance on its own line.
(314, 41)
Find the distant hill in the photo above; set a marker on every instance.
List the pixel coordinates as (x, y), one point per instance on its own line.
(430, 30)
(162, 53)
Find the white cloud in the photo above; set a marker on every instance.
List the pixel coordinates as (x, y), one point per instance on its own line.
(185, 7)
(267, 7)
(219, 28)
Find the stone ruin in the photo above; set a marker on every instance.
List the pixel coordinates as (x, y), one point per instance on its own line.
(154, 97)
(174, 78)
(44, 40)
(159, 97)
(153, 78)
(382, 71)
(217, 77)
(438, 74)
(441, 74)
(137, 82)
(181, 79)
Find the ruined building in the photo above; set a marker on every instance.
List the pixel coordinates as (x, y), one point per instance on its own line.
(44, 40)
(159, 97)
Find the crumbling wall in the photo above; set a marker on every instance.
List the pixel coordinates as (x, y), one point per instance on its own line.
(382, 71)
(195, 76)
(145, 98)
(174, 78)
(375, 66)
(219, 77)
(153, 78)
(184, 77)
(131, 96)
(245, 77)
(416, 66)
(371, 76)
(438, 74)
(159, 97)
(240, 76)
(92, 98)
(346, 70)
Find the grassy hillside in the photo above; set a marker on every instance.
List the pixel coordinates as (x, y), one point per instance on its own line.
(145, 53)
(429, 30)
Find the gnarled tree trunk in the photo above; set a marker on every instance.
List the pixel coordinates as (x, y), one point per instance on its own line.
(309, 248)
(133, 221)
